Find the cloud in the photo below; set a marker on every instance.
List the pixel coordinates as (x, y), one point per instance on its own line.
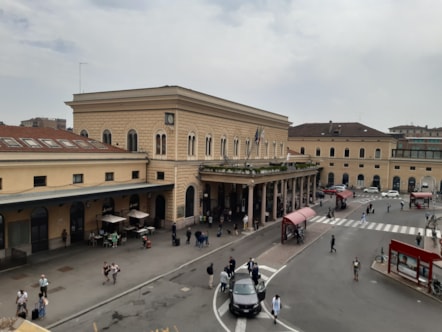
(311, 60)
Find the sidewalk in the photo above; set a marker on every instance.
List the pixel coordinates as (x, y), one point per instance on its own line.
(75, 273)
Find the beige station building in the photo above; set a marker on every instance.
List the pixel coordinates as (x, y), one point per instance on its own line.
(359, 156)
(154, 156)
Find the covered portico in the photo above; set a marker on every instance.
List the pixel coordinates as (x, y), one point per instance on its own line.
(261, 195)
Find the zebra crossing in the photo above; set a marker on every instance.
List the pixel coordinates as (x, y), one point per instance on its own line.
(375, 226)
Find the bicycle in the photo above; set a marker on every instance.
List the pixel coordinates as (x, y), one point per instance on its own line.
(436, 287)
(382, 258)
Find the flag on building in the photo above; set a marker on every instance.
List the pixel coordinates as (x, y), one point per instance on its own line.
(259, 134)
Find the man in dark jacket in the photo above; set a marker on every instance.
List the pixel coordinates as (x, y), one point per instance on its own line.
(210, 273)
(255, 273)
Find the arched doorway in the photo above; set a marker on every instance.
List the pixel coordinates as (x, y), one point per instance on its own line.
(397, 183)
(345, 179)
(331, 179)
(77, 222)
(411, 184)
(134, 202)
(360, 181)
(377, 182)
(190, 202)
(160, 210)
(39, 230)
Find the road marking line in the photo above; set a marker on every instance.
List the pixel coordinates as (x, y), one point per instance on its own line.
(371, 225)
(412, 230)
(395, 228)
(387, 227)
(340, 222)
(403, 229)
(223, 308)
(379, 226)
(348, 223)
(268, 268)
(241, 324)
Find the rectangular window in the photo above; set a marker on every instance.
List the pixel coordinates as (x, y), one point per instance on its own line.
(109, 176)
(160, 175)
(377, 166)
(412, 168)
(332, 164)
(345, 165)
(77, 178)
(39, 181)
(135, 174)
(361, 165)
(397, 167)
(428, 169)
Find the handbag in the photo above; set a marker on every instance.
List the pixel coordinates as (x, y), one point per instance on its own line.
(273, 312)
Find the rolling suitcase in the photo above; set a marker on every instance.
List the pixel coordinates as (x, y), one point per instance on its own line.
(34, 314)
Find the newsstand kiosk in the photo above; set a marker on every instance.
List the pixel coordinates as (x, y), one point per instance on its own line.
(413, 263)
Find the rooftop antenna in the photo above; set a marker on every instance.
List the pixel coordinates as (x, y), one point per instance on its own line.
(79, 73)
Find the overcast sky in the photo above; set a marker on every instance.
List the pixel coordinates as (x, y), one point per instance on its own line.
(378, 62)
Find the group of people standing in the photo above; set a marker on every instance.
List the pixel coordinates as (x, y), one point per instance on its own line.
(39, 312)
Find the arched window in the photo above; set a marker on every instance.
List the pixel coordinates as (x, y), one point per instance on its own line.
(236, 147)
(191, 141)
(377, 153)
(208, 146)
(302, 150)
(107, 137)
(332, 152)
(132, 140)
(84, 133)
(248, 149)
(318, 152)
(160, 144)
(361, 153)
(222, 147)
(331, 179)
(347, 152)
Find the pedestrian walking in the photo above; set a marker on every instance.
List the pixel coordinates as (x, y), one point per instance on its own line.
(64, 237)
(232, 266)
(356, 268)
(418, 239)
(320, 202)
(44, 283)
(333, 213)
(41, 306)
(245, 221)
(363, 218)
(174, 233)
(388, 207)
(255, 273)
(250, 265)
(402, 205)
(276, 307)
(106, 269)
(256, 224)
(210, 273)
(224, 279)
(115, 269)
(188, 235)
(235, 228)
(332, 244)
(21, 301)
(114, 238)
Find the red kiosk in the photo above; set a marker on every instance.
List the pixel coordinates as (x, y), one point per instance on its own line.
(420, 199)
(416, 264)
(341, 198)
(294, 221)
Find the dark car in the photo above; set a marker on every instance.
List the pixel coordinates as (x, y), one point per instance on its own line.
(320, 194)
(245, 297)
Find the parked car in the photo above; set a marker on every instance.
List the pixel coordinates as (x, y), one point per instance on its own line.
(245, 297)
(320, 194)
(390, 193)
(374, 190)
(340, 187)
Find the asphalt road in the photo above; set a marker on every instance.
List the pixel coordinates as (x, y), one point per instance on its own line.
(317, 288)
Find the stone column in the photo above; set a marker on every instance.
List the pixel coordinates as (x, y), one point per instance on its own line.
(275, 199)
(250, 205)
(263, 203)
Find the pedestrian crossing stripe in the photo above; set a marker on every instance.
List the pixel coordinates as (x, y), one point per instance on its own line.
(410, 230)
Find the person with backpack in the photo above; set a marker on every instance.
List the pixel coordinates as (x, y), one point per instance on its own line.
(210, 273)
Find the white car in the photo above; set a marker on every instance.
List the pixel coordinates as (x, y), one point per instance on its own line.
(390, 193)
(371, 190)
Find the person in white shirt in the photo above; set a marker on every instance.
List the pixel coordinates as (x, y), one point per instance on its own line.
(245, 221)
(21, 300)
(276, 307)
(114, 271)
(44, 283)
(224, 279)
